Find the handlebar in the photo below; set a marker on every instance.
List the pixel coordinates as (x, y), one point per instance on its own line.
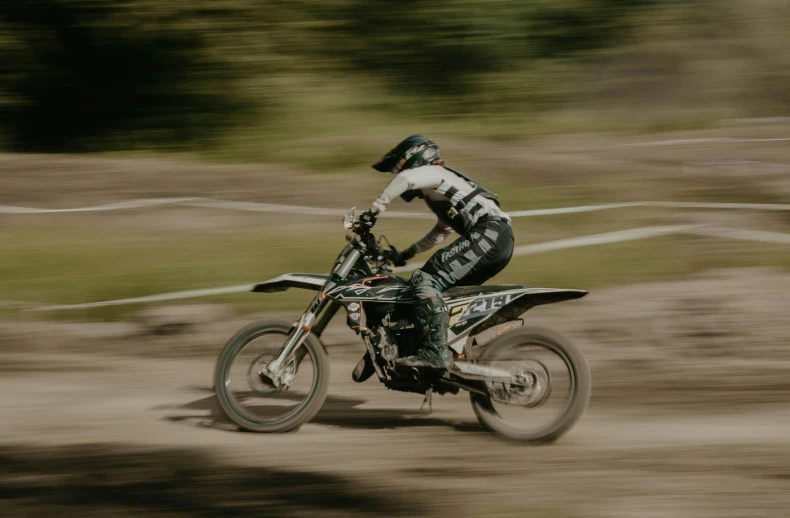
(366, 242)
(360, 229)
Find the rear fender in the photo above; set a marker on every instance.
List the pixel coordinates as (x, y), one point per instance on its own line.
(482, 312)
(526, 301)
(537, 297)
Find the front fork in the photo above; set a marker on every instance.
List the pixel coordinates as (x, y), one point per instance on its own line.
(302, 329)
(304, 326)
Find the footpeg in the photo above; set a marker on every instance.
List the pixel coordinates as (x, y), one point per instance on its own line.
(428, 401)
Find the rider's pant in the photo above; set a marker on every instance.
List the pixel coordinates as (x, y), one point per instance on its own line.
(470, 260)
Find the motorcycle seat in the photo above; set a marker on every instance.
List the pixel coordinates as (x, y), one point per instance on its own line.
(466, 291)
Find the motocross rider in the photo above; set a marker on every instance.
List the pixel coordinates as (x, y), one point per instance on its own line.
(461, 205)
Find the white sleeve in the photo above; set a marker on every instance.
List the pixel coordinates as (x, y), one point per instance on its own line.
(411, 179)
(438, 233)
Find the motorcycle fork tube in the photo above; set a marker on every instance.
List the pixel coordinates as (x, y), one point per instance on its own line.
(330, 312)
(297, 337)
(341, 273)
(345, 267)
(304, 326)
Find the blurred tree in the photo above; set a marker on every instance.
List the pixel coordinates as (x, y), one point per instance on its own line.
(440, 46)
(83, 75)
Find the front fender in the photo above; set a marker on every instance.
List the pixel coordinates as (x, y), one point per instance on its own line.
(306, 281)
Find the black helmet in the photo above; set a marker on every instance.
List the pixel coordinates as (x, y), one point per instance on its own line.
(414, 151)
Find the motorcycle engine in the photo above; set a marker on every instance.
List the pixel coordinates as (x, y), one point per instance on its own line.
(386, 344)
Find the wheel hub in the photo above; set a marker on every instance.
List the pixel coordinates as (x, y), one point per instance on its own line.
(529, 387)
(258, 376)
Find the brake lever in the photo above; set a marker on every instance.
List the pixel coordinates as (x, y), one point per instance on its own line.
(384, 238)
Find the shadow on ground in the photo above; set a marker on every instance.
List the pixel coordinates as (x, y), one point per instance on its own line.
(108, 480)
(337, 411)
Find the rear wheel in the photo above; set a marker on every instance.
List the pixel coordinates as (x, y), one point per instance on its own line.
(249, 401)
(549, 387)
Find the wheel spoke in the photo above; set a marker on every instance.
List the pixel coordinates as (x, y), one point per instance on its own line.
(547, 392)
(249, 398)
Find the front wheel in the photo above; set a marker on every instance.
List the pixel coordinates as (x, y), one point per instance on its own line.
(249, 401)
(548, 391)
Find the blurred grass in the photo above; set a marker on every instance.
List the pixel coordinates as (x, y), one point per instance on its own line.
(325, 87)
(78, 258)
(65, 264)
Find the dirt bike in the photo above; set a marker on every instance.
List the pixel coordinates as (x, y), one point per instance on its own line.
(274, 377)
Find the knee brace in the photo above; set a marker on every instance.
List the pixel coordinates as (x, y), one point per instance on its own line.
(429, 295)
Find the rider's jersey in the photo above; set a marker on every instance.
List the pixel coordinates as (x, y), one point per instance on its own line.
(447, 195)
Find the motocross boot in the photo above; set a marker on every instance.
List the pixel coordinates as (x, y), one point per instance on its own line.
(364, 369)
(433, 318)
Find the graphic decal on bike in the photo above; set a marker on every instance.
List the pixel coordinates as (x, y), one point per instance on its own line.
(362, 292)
(462, 326)
(466, 314)
(353, 314)
(487, 305)
(456, 312)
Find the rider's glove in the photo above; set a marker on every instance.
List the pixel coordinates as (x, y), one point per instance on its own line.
(367, 219)
(400, 258)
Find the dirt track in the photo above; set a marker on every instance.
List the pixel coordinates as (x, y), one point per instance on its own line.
(689, 414)
(367, 450)
(670, 431)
